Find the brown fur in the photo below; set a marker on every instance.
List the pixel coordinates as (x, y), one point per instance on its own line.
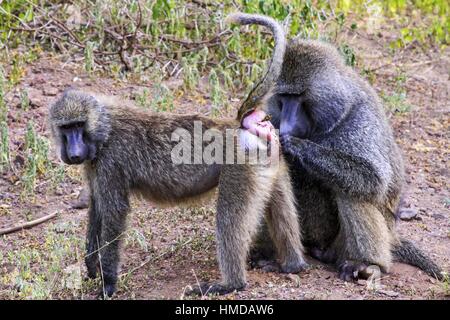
(133, 155)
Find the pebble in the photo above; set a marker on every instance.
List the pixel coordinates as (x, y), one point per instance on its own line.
(294, 278)
(438, 216)
(51, 91)
(408, 214)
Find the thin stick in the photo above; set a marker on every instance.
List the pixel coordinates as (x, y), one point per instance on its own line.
(28, 225)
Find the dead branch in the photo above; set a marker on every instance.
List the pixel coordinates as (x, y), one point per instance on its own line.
(28, 224)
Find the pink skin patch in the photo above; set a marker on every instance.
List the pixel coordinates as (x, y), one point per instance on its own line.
(255, 124)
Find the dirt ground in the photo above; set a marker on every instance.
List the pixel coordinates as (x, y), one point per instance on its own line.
(168, 249)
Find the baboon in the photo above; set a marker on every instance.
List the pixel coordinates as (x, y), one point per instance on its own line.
(346, 168)
(127, 150)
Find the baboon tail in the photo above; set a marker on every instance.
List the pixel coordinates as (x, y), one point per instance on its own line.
(273, 72)
(405, 251)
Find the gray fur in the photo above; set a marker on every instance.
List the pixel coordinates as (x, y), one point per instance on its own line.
(131, 153)
(348, 173)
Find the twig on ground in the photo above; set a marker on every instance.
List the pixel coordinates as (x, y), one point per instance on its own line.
(29, 224)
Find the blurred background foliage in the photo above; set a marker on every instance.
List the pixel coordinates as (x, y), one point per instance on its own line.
(167, 38)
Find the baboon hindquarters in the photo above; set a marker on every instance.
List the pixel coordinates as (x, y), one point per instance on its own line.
(269, 192)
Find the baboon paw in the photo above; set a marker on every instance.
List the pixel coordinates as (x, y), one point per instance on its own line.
(107, 291)
(325, 256)
(213, 288)
(352, 270)
(294, 267)
(267, 265)
(91, 267)
(91, 274)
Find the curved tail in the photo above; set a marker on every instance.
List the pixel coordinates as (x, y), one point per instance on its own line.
(405, 251)
(258, 93)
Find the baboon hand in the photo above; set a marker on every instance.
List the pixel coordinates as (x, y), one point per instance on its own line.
(213, 288)
(289, 143)
(352, 270)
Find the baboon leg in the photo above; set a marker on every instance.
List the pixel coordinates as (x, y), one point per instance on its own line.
(93, 240)
(240, 208)
(113, 207)
(263, 249)
(284, 226)
(363, 240)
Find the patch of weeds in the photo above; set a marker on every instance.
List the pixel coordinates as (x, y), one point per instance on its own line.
(217, 94)
(349, 55)
(143, 99)
(162, 98)
(24, 100)
(446, 284)
(4, 146)
(3, 88)
(136, 238)
(57, 175)
(396, 102)
(191, 74)
(89, 57)
(41, 273)
(36, 159)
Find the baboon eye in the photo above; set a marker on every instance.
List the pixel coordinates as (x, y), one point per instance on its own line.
(280, 104)
(72, 125)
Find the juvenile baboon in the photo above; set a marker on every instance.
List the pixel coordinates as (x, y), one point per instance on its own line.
(346, 168)
(126, 150)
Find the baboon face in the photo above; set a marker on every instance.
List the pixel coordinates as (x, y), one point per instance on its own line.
(291, 115)
(74, 148)
(79, 126)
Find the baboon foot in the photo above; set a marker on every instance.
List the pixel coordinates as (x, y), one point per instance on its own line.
(352, 270)
(92, 274)
(259, 257)
(109, 286)
(107, 291)
(91, 269)
(83, 200)
(323, 255)
(267, 265)
(213, 288)
(294, 266)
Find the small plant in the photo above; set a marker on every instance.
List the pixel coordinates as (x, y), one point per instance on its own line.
(89, 57)
(36, 161)
(217, 95)
(4, 146)
(349, 55)
(191, 74)
(24, 100)
(162, 99)
(446, 284)
(397, 101)
(3, 106)
(143, 99)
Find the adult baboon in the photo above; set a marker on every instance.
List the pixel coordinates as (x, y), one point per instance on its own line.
(346, 168)
(127, 150)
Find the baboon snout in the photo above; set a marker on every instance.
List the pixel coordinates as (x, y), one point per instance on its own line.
(77, 154)
(76, 149)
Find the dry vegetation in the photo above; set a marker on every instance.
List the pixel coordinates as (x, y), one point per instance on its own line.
(179, 56)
